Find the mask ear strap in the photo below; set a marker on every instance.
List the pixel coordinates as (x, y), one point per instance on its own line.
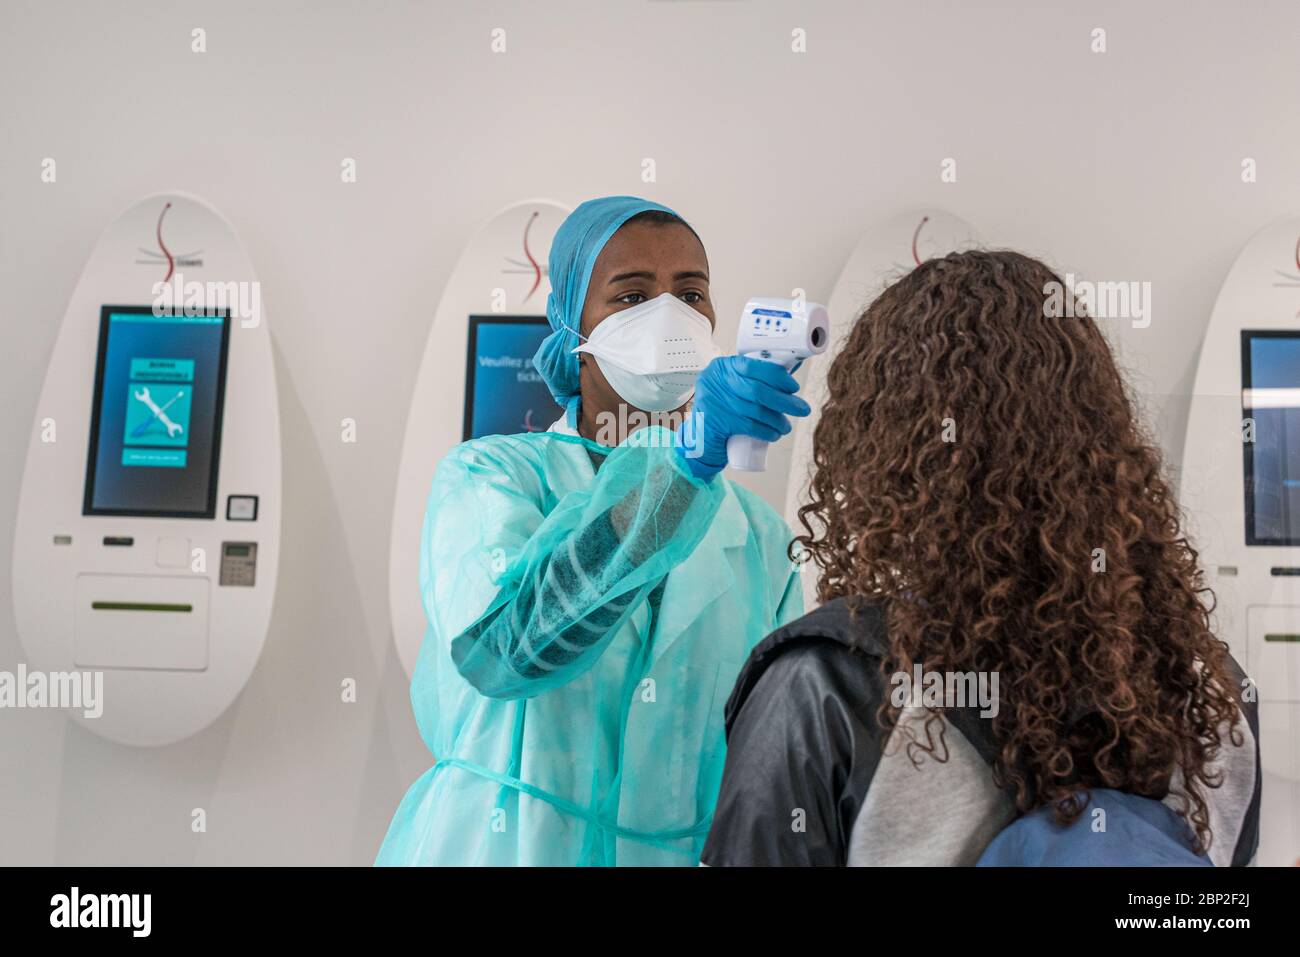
(581, 338)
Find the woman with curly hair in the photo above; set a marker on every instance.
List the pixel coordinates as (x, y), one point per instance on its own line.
(1013, 620)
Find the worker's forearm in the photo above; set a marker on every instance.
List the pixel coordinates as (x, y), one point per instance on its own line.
(570, 599)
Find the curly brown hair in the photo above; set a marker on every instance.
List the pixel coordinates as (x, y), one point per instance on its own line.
(972, 457)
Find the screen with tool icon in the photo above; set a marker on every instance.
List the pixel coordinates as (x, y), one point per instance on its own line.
(155, 429)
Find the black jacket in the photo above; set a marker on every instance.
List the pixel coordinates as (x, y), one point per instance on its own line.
(809, 779)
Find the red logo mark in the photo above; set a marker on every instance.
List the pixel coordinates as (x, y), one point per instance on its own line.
(917, 235)
(171, 263)
(537, 270)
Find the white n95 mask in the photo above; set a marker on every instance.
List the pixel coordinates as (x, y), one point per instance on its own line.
(653, 352)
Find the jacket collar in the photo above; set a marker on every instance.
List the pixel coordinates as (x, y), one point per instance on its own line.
(828, 622)
(867, 632)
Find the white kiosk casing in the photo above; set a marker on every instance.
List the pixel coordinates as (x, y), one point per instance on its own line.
(884, 255)
(162, 575)
(1240, 490)
(501, 273)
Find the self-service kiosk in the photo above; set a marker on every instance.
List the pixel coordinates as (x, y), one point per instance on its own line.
(148, 524)
(488, 325)
(1240, 488)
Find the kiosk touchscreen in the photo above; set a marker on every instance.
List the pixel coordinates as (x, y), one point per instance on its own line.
(504, 393)
(155, 429)
(1270, 379)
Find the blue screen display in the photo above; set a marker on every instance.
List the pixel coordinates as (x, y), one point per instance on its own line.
(1271, 373)
(503, 392)
(155, 431)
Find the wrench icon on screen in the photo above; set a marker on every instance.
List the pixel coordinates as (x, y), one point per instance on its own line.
(158, 411)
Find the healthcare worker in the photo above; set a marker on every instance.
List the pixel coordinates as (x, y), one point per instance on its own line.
(592, 591)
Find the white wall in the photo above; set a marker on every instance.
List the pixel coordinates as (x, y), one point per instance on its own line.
(1123, 165)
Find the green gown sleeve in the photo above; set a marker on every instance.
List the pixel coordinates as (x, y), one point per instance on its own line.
(528, 600)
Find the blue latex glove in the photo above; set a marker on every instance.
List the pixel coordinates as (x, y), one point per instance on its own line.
(735, 395)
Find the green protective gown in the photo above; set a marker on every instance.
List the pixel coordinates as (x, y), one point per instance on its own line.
(589, 609)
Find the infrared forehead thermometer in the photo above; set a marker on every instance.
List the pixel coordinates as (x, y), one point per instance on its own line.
(784, 331)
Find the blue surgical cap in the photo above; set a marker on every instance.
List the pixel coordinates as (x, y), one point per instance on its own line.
(574, 250)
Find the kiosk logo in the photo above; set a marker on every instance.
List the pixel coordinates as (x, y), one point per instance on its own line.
(164, 255)
(930, 240)
(1291, 279)
(528, 266)
(914, 250)
(916, 255)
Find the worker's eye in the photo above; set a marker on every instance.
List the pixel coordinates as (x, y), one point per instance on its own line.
(691, 297)
(631, 298)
